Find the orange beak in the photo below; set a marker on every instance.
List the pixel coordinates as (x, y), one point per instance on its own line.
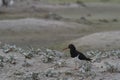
(65, 49)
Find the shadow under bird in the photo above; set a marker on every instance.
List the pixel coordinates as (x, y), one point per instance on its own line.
(74, 53)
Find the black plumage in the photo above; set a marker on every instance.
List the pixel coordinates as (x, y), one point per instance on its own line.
(74, 53)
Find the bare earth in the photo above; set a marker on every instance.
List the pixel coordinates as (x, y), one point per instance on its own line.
(36, 32)
(102, 40)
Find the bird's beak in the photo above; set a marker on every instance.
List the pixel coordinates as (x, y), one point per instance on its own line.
(65, 49)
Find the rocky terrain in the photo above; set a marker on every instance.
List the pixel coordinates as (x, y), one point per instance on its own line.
(36, 64)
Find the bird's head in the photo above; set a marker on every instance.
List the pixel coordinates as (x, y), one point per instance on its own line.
(70, 46)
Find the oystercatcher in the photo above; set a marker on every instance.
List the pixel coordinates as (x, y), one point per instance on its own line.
(76, 54)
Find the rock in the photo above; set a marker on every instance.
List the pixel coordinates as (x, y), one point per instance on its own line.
(19, 73)
(11, 60)
(60, 63)
(1, 58)
(51, 72)
(28, 55)
(58, 54)
(26, 64)
(50, 55)
(9, 48)
(112, 68)
(31, 76)
(1, 64)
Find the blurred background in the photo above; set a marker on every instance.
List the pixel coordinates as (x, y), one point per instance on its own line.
(90, 24)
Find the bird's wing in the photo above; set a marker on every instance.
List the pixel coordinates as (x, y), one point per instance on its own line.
(81, 54)
(73, 54)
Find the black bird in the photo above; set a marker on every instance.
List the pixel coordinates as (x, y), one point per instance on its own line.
(74, 53)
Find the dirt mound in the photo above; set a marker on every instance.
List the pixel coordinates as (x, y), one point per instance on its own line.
(102, 40)
(37, 31)
(34, 23)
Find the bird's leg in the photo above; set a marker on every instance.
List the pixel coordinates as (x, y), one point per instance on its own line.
(76, 66)
(79, 64)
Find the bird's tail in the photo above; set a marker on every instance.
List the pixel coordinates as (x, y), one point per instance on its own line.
(88, 59)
